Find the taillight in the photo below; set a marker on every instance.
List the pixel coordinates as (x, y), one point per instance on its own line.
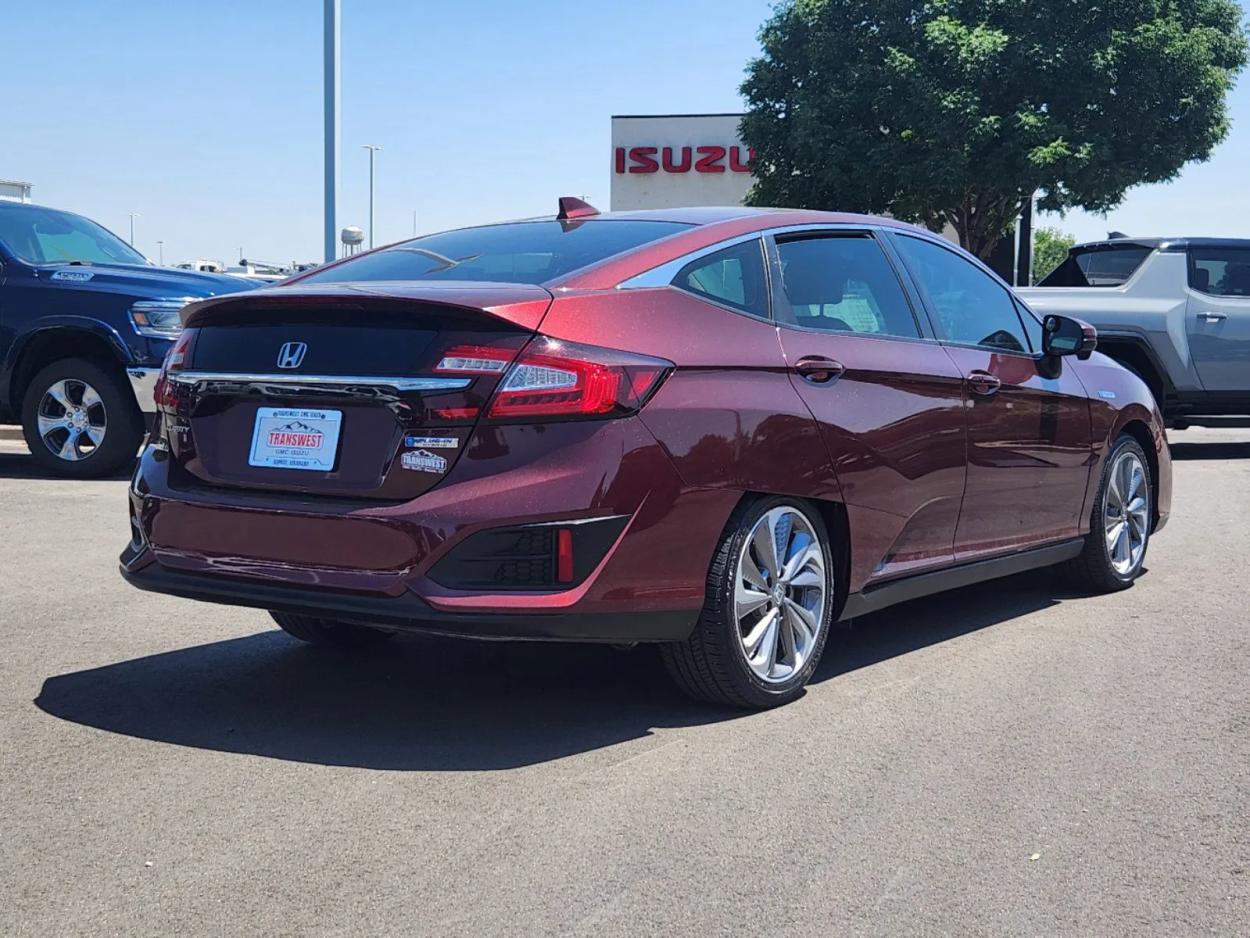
(176, 359)
(475, 360)
(553, 380)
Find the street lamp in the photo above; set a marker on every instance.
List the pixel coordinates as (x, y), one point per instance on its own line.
(160, 247)
(372, 149)
(133, 216)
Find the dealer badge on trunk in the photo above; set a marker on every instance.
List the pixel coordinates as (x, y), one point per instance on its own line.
(423, 461)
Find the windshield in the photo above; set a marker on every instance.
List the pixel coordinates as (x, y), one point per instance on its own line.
(1101, 266)
(521, 252)
(46, 236)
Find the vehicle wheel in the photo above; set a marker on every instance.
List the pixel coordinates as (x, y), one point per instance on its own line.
(80, 420)
(770, 592)
(330, 632)
(1120, 522)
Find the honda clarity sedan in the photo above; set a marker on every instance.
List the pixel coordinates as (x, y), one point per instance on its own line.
(724, 431)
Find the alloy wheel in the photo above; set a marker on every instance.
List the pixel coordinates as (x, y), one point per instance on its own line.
(780, 593)
(72, 419)
(1126, 513)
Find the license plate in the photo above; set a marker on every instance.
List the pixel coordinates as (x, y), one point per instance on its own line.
(293, 438)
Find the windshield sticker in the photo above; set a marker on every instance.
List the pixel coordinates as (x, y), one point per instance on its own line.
(422, 461)
(77, 276)
(432, 442)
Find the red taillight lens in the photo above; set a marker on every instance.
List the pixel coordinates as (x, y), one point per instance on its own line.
(176, 359)
(563, 380)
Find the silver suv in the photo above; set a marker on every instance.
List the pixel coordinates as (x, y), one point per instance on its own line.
(1174, 310)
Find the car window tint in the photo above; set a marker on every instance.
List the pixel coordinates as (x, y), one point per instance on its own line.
(844, 284)
(972, 308)
(733, 276)
(1097, 266)
(519, 252)
(1220, 271)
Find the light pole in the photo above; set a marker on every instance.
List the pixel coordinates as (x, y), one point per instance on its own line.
(160, 249)
(133, 216)
(372, 149)
(333, 15)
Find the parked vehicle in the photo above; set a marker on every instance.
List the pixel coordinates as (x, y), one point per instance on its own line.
(717, 429)
(1174, 311)
(85, 321)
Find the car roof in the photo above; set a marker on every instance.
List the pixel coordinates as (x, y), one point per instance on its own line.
(1163, 244)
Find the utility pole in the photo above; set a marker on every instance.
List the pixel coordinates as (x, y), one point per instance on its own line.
(133, 216)
(160, 247)
(372, 149)
(333, 17)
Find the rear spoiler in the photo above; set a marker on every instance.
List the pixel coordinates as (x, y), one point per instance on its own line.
(522, 304)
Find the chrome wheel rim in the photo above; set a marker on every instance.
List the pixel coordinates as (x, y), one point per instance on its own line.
(780, 593)
(72, 420)
(1126, 513)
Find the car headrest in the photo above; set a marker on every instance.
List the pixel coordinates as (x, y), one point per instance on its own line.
(807, 278)
(1202, 279)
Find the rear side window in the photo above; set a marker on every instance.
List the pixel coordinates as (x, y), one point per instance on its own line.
(522, 252)
(733, 276)
(1100, 266)
(1220, 271)
(844, 284)
(972, 308)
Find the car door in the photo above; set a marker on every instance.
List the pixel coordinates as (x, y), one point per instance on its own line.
(1217, 316)
(889, 401)
(1029, 436)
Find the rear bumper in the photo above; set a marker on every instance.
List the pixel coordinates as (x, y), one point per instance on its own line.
(408, 613)
(379, 563)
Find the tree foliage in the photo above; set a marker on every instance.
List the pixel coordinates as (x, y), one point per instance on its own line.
(958, 111)
(1050, 247)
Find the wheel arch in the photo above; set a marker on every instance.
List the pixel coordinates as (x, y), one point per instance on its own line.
(51, 342)
(1136, 354)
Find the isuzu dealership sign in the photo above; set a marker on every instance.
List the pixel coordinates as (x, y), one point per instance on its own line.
(675, 160)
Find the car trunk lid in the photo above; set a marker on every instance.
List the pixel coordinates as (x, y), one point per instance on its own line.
(340, 390)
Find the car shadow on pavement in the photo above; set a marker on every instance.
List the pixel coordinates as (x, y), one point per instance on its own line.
(1188, 451)
(22, 466)
(432, 704)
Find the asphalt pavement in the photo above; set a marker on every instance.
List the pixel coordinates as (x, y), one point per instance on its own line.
(1009, 759)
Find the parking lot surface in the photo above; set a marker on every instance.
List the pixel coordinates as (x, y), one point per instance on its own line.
(1009, 759)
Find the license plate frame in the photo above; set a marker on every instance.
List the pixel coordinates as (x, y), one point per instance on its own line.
(301, 438)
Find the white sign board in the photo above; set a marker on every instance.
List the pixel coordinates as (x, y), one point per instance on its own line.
(678, 160)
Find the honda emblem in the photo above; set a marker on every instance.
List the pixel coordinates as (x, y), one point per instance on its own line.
(291, 355)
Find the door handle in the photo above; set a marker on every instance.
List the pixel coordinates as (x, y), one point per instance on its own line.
(1212, 317)
(983, 383)
(817, 369)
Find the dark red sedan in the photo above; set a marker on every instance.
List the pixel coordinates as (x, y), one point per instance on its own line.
(722, 430)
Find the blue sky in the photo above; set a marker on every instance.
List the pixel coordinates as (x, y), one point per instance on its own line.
(206, 118)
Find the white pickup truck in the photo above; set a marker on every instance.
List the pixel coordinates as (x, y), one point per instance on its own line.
(1174, 310)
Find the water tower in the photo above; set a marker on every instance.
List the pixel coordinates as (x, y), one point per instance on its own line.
(352, 237)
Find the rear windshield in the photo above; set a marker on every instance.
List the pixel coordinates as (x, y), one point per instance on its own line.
(1100, 266)
(522, 252)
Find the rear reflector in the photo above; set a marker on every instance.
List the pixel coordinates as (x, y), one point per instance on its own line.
(562, 380)
(564, 555)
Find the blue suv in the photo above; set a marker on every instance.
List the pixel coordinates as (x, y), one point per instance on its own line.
(85, 321)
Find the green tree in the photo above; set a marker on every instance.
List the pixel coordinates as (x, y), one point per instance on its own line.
(955, 112)
(1050, 247)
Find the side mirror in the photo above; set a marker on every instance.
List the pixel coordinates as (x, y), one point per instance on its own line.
(1064, 336)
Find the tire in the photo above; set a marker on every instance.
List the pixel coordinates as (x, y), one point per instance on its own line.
(714, 664)
(1114, 553)
(80, 419)
(328, 632)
